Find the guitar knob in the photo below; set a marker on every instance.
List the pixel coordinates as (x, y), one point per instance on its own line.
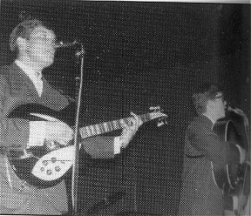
(45, 162)
(57, 168)
(53, 159)
(42, 169)
(49, 172)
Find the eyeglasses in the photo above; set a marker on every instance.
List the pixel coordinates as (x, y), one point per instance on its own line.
(220, 96)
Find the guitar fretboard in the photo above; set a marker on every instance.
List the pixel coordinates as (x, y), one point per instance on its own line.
(106, 127)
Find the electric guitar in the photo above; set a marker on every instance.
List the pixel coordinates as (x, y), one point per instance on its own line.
(230, 176)
(46, 165)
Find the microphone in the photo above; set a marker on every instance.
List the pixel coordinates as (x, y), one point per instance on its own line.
(235, 110)
(62, 44)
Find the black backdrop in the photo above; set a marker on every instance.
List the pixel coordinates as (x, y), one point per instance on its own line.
(138, 55)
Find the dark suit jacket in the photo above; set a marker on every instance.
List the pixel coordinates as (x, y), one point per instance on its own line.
(199, 194)
(16, 89)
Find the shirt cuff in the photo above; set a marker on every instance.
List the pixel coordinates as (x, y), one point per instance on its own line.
(37, 133)
(117, 145)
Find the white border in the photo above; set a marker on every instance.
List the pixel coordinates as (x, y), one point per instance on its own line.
(192, 1)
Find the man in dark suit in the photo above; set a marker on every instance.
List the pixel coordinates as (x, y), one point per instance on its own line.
(199, 193)
(22, 83)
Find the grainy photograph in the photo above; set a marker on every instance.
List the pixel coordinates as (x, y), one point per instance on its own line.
(124, 108)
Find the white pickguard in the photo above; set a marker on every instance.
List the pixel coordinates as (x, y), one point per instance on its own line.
(54, 165)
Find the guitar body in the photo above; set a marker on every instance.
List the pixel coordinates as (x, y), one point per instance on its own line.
(228, 177)
(46, 165)
(23, 162)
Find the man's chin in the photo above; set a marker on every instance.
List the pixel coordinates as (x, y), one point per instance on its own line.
(222, 116)
(49, 63)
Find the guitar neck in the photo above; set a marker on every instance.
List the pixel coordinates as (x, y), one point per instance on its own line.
(106, 127)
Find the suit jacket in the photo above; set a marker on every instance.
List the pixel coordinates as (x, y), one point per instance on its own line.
(199, 193)
(16, 197)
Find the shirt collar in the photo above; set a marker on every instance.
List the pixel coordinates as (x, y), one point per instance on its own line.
(209, 118)
(27, 70)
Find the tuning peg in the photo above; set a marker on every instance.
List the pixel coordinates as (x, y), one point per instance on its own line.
(160, 123)
(155, 109)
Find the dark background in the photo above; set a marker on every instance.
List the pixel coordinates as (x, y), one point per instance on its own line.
(139, 55)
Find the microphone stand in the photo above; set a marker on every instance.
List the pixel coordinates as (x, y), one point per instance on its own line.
(75, 168)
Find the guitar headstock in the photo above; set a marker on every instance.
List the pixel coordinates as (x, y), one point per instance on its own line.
(157, 113)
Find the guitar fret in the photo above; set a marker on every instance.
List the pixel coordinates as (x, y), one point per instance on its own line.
(101, 127)
(98, 129)
(86, 134)
(114, 125)
(95, 129)
(110, 126)
(89, 131)
(106, 127)
(92, 130)
(81, 133)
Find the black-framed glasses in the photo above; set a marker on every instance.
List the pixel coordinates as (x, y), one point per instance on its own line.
(220, 97)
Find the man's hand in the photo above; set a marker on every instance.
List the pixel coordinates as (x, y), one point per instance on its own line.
(130, 129)
(59, 132)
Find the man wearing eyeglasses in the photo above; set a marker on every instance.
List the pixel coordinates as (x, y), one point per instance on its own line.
(199, 193)
(23, 83)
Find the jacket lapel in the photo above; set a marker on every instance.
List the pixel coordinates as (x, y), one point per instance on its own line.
(21, 83)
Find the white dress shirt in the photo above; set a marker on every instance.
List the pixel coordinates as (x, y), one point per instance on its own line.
(37, 128)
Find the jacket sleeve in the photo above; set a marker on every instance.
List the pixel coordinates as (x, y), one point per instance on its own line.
(209, 144)
(101, 147)
(14, 133)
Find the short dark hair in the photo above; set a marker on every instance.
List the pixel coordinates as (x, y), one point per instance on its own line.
(205, 92)
(23, 30)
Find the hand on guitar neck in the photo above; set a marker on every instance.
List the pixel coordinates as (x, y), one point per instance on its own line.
(130, 129)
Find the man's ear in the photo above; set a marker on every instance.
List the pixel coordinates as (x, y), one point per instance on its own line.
(21, 43)
(210, 104)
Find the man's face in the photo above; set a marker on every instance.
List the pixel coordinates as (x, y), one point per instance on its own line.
(41, 46)
(219, 105)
